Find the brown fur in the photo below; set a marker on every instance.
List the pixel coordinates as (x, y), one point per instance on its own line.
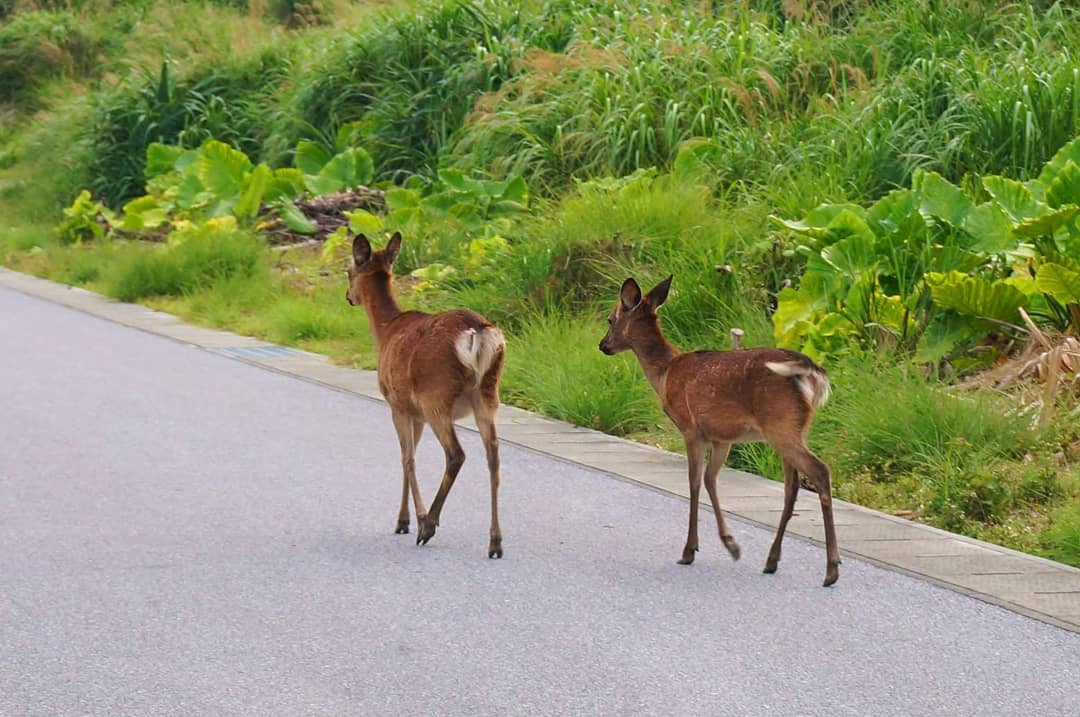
(425, 378)
(717, 398)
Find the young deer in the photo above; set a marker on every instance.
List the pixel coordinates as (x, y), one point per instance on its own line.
(717, 398)
(433, 368)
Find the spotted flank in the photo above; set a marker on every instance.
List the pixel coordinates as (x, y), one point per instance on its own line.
(811, 380)
(477, 349)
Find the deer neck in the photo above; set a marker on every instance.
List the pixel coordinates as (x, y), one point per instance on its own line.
(654, 353)
(377, 295)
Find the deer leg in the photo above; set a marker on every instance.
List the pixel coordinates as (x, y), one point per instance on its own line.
(407, 438)
(443, 428)
(818, 474)
(414, 485)
(484, 411)
(791, 492)
(695, 455)
(717, 457)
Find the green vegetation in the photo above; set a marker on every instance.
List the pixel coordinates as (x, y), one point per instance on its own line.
(891, 187)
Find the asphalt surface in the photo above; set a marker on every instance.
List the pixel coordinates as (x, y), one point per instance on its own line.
(184, 534)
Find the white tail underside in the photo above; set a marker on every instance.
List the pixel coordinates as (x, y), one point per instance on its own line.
(478, 349)
(812, 383)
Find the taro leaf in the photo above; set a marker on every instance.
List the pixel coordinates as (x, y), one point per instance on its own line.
(221, 169)
(1016, 199)
(990, 229)
(257, 184)
(351, 168)
(976, 296)
(362, 221)
(1061, 283)
(853, 256)
(286, 183)
(794, 311)
(943, 336)
(1065, 189)
(188, 159)
(941, 199)
(161, 158)
(142, 213)
(294, 219)
(893, 212)
(399, 198)
(1046, 224)
(310, 158)
(457, 181)
(348, 135)
(190, 193)
(517, 191)
(1057, 164)
(816, 222)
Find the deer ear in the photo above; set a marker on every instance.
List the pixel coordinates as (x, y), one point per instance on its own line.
(393, 247)
(630, 294)
(659, 294)
(361, 250)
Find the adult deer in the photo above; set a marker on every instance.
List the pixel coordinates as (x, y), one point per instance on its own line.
(717, 398)
(432, 368)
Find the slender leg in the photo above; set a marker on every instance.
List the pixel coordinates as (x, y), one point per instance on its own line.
(717, 457)
(695, 456)
(484, 411)
(817, 473)
(414, 485)
(791, 492)
(407, 438)
(443, 429)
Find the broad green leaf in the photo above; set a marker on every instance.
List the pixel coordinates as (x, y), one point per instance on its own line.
(1065, 189)
(816, 221)
(943, 336)
(286, 183)
(188, 160)
(516, 191)
(161, 158)
(348, 135)
(794, 310)
(456, 180)
(310, 158)
(1014, 198)
(940, 198)
(351, 168)
(1061, 283)
(399, 198)
(142, 213)
(336, 246)
(221, 168)
(364, 222)
(990, 229)
(1046, 224)
(976, 296)
(190, 193)
(294, 219)
(893, 212)
(853, 256)
(251, 198)
(1052, 169)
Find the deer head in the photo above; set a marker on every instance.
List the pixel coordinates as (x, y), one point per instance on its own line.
(366, 261)
(633, 315)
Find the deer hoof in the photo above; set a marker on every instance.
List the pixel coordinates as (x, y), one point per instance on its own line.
(770, 564)
(495, 548)
(687, 556)
(425, 530)
(732, 546)
(402, 526)
(832, 573)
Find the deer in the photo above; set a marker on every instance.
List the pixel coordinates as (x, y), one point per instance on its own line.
(432, 369)
(719, 398)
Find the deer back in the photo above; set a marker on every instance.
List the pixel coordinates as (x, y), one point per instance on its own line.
(740, 396)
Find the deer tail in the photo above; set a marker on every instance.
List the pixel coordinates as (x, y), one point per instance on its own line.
(808, 377)
(477, 350)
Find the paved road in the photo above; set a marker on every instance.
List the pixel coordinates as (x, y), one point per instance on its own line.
(183, 534)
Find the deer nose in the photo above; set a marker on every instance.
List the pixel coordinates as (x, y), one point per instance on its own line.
(605, 349)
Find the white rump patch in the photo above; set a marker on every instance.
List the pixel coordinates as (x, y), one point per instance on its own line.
(477, 349)
(812, 383)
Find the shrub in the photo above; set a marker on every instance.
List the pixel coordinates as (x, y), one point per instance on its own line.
(36, 47)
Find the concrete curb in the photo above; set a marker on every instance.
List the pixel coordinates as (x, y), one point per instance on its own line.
(1032, 586)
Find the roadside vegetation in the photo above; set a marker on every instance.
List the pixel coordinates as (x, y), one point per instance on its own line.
(892, 188)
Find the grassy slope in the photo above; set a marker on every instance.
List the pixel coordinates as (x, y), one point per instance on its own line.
(952, 460)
